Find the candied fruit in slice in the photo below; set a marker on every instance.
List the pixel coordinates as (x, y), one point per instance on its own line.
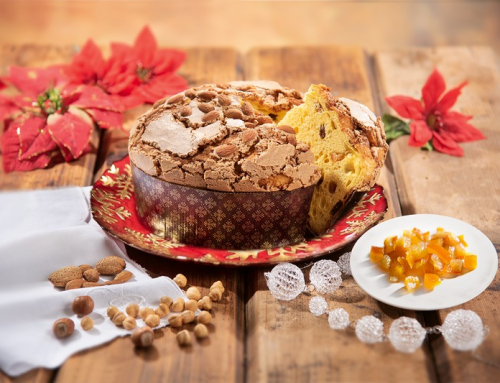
(376, 254)
(390, 244)
(426, 236)
(397, 271)
(431, 281)
(412, 283)
(418, 251)
(440, 229)
(450, 239)
(436, 262)
(436, 241)
(460, 251)
(462, 240)
(407, 233)
(456, 266)
(403, 244)
(470, 261)
(385, 263)
(440, 251)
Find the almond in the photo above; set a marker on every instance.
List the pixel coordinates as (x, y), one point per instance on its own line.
(74, 284)
(234, 113)
(264, 120)
(250, 125)
(225, 150)
(224, 100)
(85, 267)
(190, 93)
(124, 276)
(91, 284)
(287, 129)
(60, 277)
(113, 282)
(248, 136)
(205, 108)
(159, 102)
(211, 117)
(185, 111)
(176, 99)
(207, 95)
(91, 275)
(247, 108)
(110, 265)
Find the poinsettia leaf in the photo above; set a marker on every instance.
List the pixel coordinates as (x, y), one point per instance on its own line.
(34, 81)
(72, 133)
(34, 138)
(7, 107)
(420, 133)
(95, 97)
(106, 119)
(457, 127)
(445, 144)
(406, 107)
(432, 90)
(87, 66)
(159, 87)
(428, 146)
(450, 97)
(168, 61)
(120, 77)
(145, 47)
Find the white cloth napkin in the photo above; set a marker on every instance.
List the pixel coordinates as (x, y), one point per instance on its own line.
(40, 232)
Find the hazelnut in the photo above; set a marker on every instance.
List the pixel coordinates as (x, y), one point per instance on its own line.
(83, 305)
(63, 328)
(191, 305)
(183, 338)
(162, 311)
(215, 294)
(152, 320)
(181, 280)
(143, 337)
(145, 311)
(112, 310)
(167, 300)
(205, 303)
(187, 316)
(87, 323)
(178, 305)
(119, 318)
(200, 331)
(175, 320)
(132, 310)
(218, 285)
(204, 317)
(193, 293)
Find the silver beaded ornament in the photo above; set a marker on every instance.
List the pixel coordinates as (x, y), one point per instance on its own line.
(370, 329)
(325, 276)
(406, 334)
(463, 330)
(285, 281)
(318, 306)
(338, 319)
(344, 263)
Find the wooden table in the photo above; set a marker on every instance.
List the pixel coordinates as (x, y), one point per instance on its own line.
(255, 338)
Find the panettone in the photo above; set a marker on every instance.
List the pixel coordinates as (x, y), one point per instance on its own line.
(348, 143)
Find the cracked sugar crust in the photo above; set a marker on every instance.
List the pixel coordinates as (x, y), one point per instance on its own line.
(224, 137)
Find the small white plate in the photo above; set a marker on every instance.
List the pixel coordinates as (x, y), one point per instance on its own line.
(451, 292)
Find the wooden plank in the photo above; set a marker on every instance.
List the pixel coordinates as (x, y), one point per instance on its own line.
(467, 188)
(39, 375)
(218, 359)
(285, 342)
(76, 173)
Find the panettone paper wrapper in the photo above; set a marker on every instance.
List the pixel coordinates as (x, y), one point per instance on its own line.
(223, 220)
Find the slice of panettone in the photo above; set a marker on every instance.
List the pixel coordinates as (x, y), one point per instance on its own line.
(349, 146)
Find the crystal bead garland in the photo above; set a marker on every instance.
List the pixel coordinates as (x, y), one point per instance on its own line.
(285, 281)
(370, 330)
(406, 334)
(463, 330)
(325, 276)
(338, 319)
(318, 306)
(344, 263)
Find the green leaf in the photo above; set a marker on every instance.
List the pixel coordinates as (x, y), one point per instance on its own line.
(394, 127)
(428, 146)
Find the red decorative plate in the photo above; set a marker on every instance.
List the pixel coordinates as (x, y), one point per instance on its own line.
(113, 207)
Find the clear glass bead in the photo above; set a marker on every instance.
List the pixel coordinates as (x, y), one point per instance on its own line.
(285, 281)
(344, 263)
(325, 276)
(370, 329)
(463, 330)
(406, 334)
(318, 306)
(338, 319)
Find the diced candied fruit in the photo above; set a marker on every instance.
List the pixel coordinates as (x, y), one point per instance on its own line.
(407, 233)
(431, 281)
(439, 229)
(418, 251)
(376, 254)
(462, 240)
(456, 266)
(385, 263)
(390, 244)
(403, 262)
(397, 271)
(460, 252)
(436, 262)
(426, 236)
(409, 259)
(403, 243)
(450, 240)
(470, 262)
(412, 283)
(440, 251)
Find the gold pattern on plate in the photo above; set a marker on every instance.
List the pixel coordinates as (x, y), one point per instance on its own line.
(106, 206)
(123, 181)
(243, 255)
(284, 254)
(208, 258)
(361, 225)
(360, 208)
(155, 242)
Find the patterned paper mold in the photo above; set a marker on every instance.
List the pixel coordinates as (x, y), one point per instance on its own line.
(113, 206)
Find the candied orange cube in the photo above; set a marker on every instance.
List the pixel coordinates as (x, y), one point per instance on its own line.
(440, 251)
(412, 283)
(385, 263)
(470, 262)
(376, 254)
(456, 266)
(436, 241)
(403, 243)
(390, 244)
(431, 281)
(403, 262)
(426, 236)
(460, 252)
(397, 271)
(462, 240)
(436, 262)
(440, 229)
(450, 240)
(418, 251)
(407, 233)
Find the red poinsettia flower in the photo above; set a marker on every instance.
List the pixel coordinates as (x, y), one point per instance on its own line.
(432, 119)
(46, 122)
(154, 69)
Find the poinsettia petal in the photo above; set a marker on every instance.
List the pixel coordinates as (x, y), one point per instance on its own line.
(145, 47)
(7, 107)
(449, 98)
(107, 119)
(34, 138)
(406, 107)
(71, 133)
(120, 77)
(132, 100)
(168, 61)
(160, 87)
(445, 144)
(34, 81)
(95, 97)
(432, 90)
(457, 127)
(420, 133)
(87, 66)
